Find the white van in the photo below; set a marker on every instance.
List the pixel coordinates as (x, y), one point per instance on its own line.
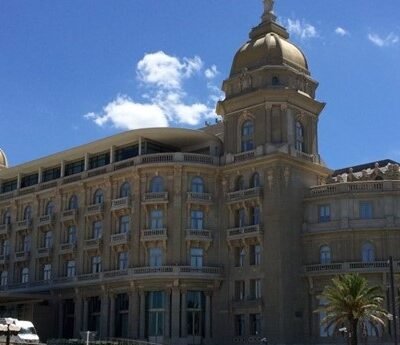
(26, 335)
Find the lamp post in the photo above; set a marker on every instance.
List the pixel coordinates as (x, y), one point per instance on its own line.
(393, 300)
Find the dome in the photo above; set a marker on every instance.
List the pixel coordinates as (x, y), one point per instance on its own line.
(269, 50)
(3, 159)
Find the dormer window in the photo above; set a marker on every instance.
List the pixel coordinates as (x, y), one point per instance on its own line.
(247, 139)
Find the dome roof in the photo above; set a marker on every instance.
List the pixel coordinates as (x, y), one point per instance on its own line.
(3, 159)
(269, 50)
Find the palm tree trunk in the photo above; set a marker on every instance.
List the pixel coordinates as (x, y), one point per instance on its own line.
(354, 326)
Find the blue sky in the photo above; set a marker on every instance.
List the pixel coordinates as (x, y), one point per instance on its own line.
(72, 71)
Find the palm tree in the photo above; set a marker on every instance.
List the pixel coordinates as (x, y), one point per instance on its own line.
(351, 303)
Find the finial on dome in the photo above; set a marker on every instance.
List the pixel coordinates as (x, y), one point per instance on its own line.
(268, 14)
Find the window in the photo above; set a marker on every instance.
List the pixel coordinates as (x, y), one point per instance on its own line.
(27, 213)
(98, 197)
(156, 219)
(325, 255)
(368, 252)
(196, 219)
(299, 137)
(9, 186)
(94, 312)
(4, 278)
(122, 260)
(99, 160)
(97, 229)
(126, 153)
(255, 288)
(74, 167)
(195, 305)
(240, 216)
(196, 257)
(70, 268)
(155, 313)
(48, 239)
(275, 81)
(197, 185)
(240, 256)
(239, 290)
(26, 244)
(255, 255)
(365, 209)
(124, 224)
(5, 248)
(125, 190)
(73, 203)
(96, 264)
(247, 136)
(47, 272)
(255, 324)
(29, 180)
(121, 319)
(51, 174)
(324, 213)
(239, 325)
(239, 184)
(255, 180)
(324, 331)
(7, 217)
(155, 257)
(25, 275)
(255, 215)
(157, 184)
(71, 234)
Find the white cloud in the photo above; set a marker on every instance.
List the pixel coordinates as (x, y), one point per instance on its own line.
(341, 32)
(301, 29)
(164, 102)
(379, 41)
(211, 73)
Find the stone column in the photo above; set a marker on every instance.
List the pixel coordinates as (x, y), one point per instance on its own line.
(142, 313)
(77, 315)
(104, 315)
(112, 151)
(208, 315)
(86, 166)
(133, 314)
(175, 309)
(268, 122)
(291, 135)
(62, 168)
(60, 318)
(85, 314)
(111, 332)
(183, 315)
(167, 323)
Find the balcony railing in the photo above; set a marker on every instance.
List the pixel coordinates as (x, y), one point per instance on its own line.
(69, 216)
(198, 235)
(154, 234)
(46, 220)
(120, 204)
(5, 229)
(244, 232)
(199, 197)
(244, 156)
(244, 194)
(93, 243)
(44, 252)
(67, 248)
(159, 197)
(95, 209)
(346, 267)
(118, 239)
(334, 225)
(25, 224)
(22, 256)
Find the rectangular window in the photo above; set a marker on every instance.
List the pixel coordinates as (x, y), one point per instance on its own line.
(196, 257)
(74, 167)
(195, 305)
(4, 278)
(123, 260)
(70, 269)
(196, 219)
(156, 219)
(240, 218)
(324, 213)
(126, 152)
(97, 229)
(121, 313)
(255, 324)
(94, 312)
(239, 325)
(71, 234)
(255, 255)
(365, 209)
(240, 290)
(155, 257)
(99, 160)
(29, 180)
(240, 256)
(47, 272)
(51, 174)
(255, 288)
(124, 224)
(155, 313)
(48, 239)
(96, 264)
(9, 186)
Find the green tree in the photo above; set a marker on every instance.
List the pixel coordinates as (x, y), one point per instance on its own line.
(350, 303)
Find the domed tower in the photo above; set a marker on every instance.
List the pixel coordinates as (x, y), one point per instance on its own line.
(270, 101)
(3, 160)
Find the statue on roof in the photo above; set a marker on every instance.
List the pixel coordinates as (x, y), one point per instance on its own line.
(268, 6)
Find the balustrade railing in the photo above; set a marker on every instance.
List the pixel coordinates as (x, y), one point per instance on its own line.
(155, 197)
(199, 197)
(343, 267)
(244, 231)
(244, 194)
(121, 203)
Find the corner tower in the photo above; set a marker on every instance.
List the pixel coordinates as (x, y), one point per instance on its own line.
(270, 103)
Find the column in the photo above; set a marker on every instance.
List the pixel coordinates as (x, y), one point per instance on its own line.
(208, 315)
(142, 314)
(268, 122)
(62, 169)
(19, 181)
(60, 318)
(85, 314)
(86, 166)
(183, 315)
(77, 316)
(104, 316)
(167, 323)
(112, 151)
(132, 314)
(291, 135)
(40, 171)
(111, 332)
(175, 309)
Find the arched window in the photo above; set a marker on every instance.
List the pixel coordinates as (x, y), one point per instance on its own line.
(7, 217)
(325, 255)
(157, 184)
(247, 136)
(299, 137)
(28, 213)
(239, 184)
(255, 215)
(368, 252)
(73, 202)
(255, 180)
(125, 190)
(25, 275)
(50, 208)
(4, 278)
(197, 185)
(98, 197)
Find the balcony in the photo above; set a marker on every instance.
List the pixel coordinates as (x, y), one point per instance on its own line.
(178, 272)
(67, 248)
(347, 224)
(199, 198)
(121, 205)
(22, 256)
(154, 235)
(244, 232)
(155, 198)
(350, 267)
(5, 229)
(244, 194)
(4, 258)
(25, 224)
(69, 216)
(44, 252)
(197, 236)
(119, 239)
(46, 220)
(95, 210)
(93, 243)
